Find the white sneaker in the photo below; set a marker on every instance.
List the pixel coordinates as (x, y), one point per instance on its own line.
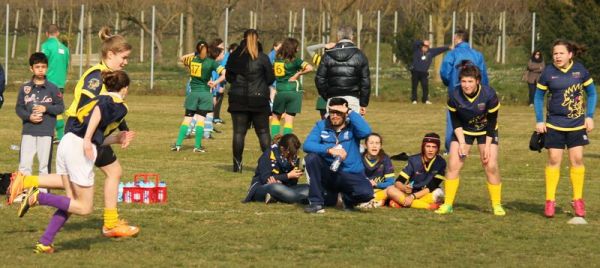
(428, 102)
(438, 195)
(414, 102)
(368, 205)
(20, 197)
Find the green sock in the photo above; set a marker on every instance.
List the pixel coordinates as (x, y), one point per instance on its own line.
(199, 136)
(287, 128)
(60, 127)
(182, 131)
(275, 127)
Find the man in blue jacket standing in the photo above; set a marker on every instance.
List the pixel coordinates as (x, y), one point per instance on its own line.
(336, 139)
(449, 71)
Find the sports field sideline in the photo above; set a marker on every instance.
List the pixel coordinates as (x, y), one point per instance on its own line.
(205, 224)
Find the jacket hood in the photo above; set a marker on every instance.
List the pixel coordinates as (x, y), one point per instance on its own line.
(343, 51)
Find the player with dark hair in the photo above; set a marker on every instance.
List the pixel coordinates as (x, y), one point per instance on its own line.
(474, 112)
(378, 168)
(568, 121)
(418, 185)
(288, 101)
(199, 102)
(92, 127)
(277, 173)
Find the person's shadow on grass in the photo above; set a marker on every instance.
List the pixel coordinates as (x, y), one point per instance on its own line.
(533, 208)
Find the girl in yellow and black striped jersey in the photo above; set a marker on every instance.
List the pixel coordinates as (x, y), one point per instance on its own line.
(567, 122)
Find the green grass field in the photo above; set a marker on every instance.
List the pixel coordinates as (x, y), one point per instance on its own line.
(205, 224)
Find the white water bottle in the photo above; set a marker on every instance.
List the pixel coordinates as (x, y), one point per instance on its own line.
(335, 165)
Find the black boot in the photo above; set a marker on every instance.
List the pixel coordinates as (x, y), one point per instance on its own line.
(237, 166)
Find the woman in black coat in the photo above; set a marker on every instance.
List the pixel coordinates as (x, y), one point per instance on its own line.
(250, 73)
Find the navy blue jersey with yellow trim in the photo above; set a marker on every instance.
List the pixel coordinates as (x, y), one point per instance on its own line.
(473, 112)
(112, 111)
(380, 171)
(566, 110)
(420, 175)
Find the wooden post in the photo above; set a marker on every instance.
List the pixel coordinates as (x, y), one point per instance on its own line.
(395, 36)
(39, 33)
(142, 37)
(503, 37)
(152, 48)
(471, 31)
(431, 29)
(290, 25)
(88, 55)
(180, 49)
(498, 50)
(453, 26)
(80, 41)
(251, 20)
(226, 28)
(6, 45)
(377, 56)
(14, 43)
(358, 27)
(117, 24)
(532, 31)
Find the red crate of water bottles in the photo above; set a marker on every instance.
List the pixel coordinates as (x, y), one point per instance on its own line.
(141, 192)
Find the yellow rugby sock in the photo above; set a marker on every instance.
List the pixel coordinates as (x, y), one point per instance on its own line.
(450, 187)
(111, 217)
(31, 181)
(275, 126)
(495, 191)
(418, 203)
(577, 177)
(288, 128)
(552, 176)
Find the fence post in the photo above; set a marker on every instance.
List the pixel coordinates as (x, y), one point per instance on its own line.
(142, 37)
(180, 49)
(226, 30)
(377, 57)
(14, 43)
(39, 33)
(152, 48)
(6, 45)
(81, 18)
(302, 38)
(453, 26)
(532, 32)
(503, 37)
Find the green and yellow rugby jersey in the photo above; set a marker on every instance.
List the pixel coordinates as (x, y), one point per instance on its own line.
(201, 72)
(284, 69)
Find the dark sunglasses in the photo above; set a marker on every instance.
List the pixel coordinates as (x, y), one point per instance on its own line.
(335, 112)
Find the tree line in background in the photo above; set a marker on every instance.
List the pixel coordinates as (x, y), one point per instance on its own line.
(573, 19)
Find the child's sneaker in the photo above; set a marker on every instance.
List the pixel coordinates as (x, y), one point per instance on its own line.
(199, 150)
(433, 206)
(444, 209)
(122, 229)
(549, 209)
(41, 248)
(317, 209)
(175, 148)
(499, 210)
(579, 207)
(15, 188)
(30, 201)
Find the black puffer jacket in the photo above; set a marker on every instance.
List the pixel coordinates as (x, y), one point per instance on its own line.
(250, 80)
(344, 71)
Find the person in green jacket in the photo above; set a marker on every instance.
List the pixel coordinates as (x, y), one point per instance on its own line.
(58, 64)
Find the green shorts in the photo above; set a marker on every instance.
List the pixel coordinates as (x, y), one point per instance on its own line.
(288, 102)
(199, 101)
(321, 103)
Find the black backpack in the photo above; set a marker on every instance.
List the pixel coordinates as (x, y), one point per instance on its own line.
(4, 182)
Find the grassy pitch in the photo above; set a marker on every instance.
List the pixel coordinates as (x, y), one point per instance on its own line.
(204, 224)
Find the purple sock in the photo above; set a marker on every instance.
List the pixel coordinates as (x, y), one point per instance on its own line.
(58, 201)
(57, 222)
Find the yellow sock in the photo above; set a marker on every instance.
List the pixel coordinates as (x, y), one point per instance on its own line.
(450, 187)
(418, 203)
(380, 195)
(577, 175)
(495, 191)
(31, 181)
(111, 217)
(552, 176)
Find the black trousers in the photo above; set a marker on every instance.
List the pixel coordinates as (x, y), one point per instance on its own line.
(217, 108)
(241, 123)
(423, 77)
(531, 92)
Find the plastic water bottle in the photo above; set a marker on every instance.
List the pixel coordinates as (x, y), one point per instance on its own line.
(335, 165)
(120, 193)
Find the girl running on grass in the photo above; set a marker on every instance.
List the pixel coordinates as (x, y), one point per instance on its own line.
(115, 52)
(199, 102)
(568, 121)
(76, 154)
(288, 101)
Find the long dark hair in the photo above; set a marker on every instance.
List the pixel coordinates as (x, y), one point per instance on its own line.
(571, 46)
(290, 144)
(538, 60)
(381, 153)
(288, 49)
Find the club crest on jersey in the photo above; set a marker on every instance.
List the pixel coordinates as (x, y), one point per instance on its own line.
(93, 84)
(346, 135)
(576, 74)
(481, 106)
(27, 89)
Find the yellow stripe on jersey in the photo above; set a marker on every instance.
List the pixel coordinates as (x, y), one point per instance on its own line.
(72, 110)
(404, 175)
(438, 176)
(541, 87)
(494, 109)
(85, 110)
(316, 59)
(272, 156)
(275, 171)
(111, 127)
(564, 128)
(389, 175)
(588, 82)
(451, 109)
(220, 69)
(479, 133)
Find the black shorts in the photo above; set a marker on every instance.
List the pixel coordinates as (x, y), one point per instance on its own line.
(106, 156)
(557, 139)
(469, 139)
(190, 113)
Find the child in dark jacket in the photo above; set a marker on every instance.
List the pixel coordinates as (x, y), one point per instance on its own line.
(38, 103)
(277, 173)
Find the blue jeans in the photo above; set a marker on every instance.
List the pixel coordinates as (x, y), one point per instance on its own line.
(326, 184)
(282, 193)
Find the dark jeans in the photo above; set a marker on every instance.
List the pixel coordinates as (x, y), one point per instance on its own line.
(282, 193)
(325, 184)
(422, 77)
(531, 92)
(241, 122)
